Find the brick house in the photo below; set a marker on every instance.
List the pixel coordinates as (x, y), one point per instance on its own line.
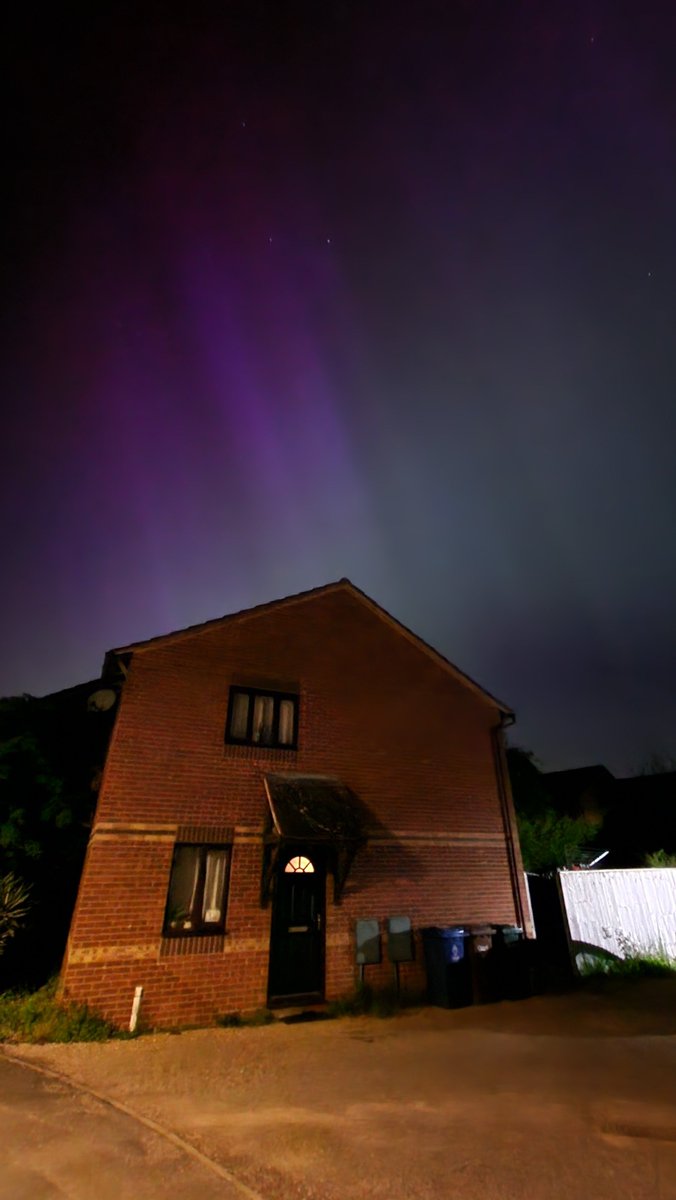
(273, 778)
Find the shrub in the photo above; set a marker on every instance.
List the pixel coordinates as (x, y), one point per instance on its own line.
(235, 1020)
(365, 1001)
(354, 1005)
(40, 1017)
(653, 963)
(660, 858)
(644, 966)
(231, 1020)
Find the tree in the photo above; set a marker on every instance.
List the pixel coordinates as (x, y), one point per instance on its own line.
(646, 820)
(32, 801)
(657, 764)
(549, 838)
(50, 753)
(42, 797)
(529, 789)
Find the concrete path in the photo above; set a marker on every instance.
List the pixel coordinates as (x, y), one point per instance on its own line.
(58, 1142)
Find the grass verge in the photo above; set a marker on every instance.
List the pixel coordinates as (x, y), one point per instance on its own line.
(40, 1017)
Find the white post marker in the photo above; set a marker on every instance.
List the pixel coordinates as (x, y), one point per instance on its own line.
(136, 1004)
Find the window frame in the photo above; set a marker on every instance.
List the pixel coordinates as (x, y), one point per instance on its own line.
(254, 693)
(201, 928)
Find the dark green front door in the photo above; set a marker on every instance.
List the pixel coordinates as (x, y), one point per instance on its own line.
(297, 936)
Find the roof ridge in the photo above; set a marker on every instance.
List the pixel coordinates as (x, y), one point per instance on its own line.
(252, 610)
(311, 593)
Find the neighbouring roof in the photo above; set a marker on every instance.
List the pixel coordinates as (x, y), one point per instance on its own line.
(341, 585)
(314, 808)
(577, 780)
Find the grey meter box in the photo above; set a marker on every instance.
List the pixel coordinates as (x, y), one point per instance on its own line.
(399, 939)
(368, 942)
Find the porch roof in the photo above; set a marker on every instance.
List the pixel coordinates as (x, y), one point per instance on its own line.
(314, 808)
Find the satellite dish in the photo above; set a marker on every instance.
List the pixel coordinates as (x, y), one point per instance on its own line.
(101, 700)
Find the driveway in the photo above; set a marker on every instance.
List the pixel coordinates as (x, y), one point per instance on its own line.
(551, 1097)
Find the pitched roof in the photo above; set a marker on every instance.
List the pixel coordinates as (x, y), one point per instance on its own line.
(576, 780)
(340, 585)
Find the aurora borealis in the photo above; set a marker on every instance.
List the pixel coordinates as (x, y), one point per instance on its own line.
(387, 291)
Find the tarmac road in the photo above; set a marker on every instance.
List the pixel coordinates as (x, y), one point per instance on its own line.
(59, 1143)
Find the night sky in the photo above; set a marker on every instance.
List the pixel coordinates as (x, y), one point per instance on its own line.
(377, 290)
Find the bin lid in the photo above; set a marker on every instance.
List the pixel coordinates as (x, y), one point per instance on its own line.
(510, 933)
(438, 931)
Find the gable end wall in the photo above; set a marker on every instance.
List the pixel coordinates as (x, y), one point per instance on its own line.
(414, 743)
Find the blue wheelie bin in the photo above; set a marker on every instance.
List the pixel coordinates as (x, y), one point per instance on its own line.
(449, 977)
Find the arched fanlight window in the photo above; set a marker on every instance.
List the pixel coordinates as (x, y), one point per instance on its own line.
(299, 864)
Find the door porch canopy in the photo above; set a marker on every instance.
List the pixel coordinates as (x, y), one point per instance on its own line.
(307, 810)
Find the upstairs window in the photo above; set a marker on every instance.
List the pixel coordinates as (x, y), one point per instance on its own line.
(197, 891)
(257, 718)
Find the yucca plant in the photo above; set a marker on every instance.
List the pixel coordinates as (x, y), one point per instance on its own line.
(14, 906)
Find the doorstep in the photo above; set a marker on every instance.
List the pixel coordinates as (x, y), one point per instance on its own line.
(300, 1012)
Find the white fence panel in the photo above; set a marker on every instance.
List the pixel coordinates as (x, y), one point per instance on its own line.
(624, 912)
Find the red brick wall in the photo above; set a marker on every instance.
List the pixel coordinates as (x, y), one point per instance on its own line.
(376, 711)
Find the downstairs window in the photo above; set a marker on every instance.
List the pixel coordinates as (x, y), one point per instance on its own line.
(197, 891)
